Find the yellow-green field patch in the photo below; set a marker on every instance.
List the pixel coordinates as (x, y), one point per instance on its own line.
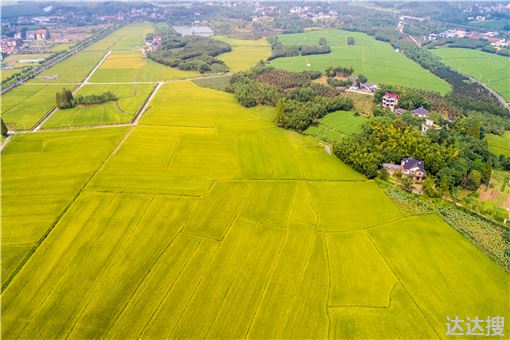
(245, 53)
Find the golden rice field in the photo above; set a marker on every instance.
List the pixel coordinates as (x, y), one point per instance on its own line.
(131, 98)
(245, 53)
(206, 221)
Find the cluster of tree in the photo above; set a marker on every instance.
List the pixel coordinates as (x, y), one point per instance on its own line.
(338, 71)
(190, 52)
(458, 42)
(299, 101)
(490, 123)
(466, 94)
(93, 99)
(409, 98)
(66, 100)
(478, 44)
(456, 157)
(302, 107)
(350, 41)
(289, 24)
(339, 82)
(283, 79)
(280, 50)
(4, 130)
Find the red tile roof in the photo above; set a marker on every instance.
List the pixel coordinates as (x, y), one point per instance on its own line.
(391, 95)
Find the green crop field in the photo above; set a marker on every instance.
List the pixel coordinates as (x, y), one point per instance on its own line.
(489, 68)
(131, 98)
(23, 106)
(72, 70)
(207, 221)
(245, 53)
(337, 125)
(375, 59)
(500, 145)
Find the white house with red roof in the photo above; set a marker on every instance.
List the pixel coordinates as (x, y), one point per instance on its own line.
(390, 100)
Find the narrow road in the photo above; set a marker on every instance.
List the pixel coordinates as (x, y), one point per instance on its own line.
(146, 105)
(501, 100)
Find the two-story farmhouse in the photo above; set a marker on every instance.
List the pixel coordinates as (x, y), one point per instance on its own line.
(390, 100)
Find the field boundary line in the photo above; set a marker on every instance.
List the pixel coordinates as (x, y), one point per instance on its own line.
(273, 269)
(5, 142)
(390, 301)
(329, 282)
(158, 307)
(145, 105)
(157, 259)
(401, 283)
(172, 153)
(311, 248)
(115, 250)
(27, 257)
(275, 264)
(208, 269)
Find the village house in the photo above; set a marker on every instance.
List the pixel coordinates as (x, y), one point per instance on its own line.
(400, 111)
(411, 167)
(420, 112)
(41, 34)
(368, 87)
(427, 125)
(414, 168)
(9, 45)
(390, 100)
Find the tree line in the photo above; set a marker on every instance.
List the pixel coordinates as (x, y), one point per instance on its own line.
(280, 50)
(66, 100)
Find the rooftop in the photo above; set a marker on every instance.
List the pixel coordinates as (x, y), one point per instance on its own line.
(411, 163)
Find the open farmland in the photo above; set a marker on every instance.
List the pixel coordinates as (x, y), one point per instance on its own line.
(71, 70)
(337, 125)
(375, 59)
(127, 63)
(245, 53)
(25, 105)
(41, 175)
(488, 68)
(500, 145)
(206, 221)
(132, 65)
(131, 98)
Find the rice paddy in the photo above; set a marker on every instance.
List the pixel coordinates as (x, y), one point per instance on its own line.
(23, 106)
(337, 125)
(489, 68)
(207, 221)
(375, 59)
(500, 145)
(245, 53)
(131, 98)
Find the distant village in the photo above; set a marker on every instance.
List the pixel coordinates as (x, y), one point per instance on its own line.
(492, 37)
